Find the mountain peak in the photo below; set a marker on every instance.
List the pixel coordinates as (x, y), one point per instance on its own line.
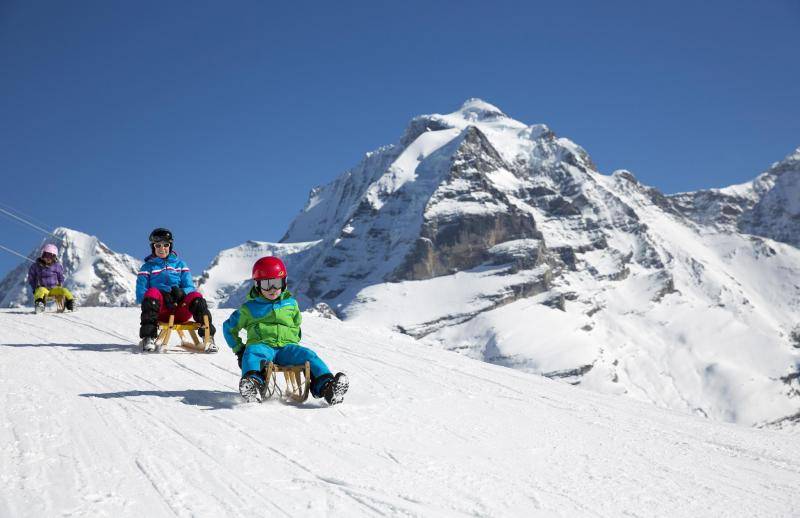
(790, 161)
(475, 109)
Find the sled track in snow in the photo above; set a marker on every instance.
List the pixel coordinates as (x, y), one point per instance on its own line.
(421, 433)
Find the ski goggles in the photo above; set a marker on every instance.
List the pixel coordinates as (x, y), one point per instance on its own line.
(48, 255)
(271, 284)
(161, 244)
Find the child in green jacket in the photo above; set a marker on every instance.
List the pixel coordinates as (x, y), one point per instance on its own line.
(272, 319)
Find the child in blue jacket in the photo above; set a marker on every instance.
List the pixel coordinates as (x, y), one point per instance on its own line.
(164, 287)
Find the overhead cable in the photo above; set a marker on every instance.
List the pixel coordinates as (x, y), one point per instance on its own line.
(17, 253)
(23, 220)
(22, 214)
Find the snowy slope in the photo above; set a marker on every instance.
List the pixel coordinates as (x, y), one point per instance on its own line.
(90, 429)
(96, 275)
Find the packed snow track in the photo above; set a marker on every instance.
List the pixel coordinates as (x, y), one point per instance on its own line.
(89, 428)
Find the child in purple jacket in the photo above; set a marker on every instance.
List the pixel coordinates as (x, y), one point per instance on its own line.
(46, 277)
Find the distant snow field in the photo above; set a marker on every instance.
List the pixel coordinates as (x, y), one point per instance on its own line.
(88, 428)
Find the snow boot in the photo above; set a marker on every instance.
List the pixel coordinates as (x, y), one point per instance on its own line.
(252, 389)
(149, 318)
(334, 390)
(69, 305)
(148, 344)
(38, 306)
(211, 348)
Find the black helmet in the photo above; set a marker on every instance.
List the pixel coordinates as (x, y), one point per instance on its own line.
(160, 234)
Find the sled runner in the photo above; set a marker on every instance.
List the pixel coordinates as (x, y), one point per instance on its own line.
(297, 381)
(59, 301)
(166, 329)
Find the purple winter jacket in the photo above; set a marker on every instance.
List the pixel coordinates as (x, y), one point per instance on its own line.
(40, 274)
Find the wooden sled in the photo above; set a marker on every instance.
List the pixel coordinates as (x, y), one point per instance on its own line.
(195, 344)
(297, 381)
(61, 303)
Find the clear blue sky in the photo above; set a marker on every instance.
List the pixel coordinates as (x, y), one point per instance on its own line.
(216, 118)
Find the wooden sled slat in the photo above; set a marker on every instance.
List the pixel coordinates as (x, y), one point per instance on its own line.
(297, 379)
(61, 303)
(195, 344)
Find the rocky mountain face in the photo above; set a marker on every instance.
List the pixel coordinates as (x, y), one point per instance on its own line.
(453, 240)
(96, 275)
(457, 192)
(768, 206)
(500, 240)
(434, 204)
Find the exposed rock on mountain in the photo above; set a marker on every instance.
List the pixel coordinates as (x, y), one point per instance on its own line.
(769, 206)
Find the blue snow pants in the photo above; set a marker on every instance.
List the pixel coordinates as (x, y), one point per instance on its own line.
(290, 354)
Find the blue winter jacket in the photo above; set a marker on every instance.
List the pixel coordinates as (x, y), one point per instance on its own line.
(163, 274)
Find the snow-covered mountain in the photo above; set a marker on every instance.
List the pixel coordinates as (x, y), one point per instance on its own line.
(421, 433)
(768, 206)
(502, 241)
(227, 279)
(483, 235)
(96, 275)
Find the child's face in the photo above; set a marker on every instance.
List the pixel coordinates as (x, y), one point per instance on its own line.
(48, 258)
(161, 248)
(271, 288)
(271, 293)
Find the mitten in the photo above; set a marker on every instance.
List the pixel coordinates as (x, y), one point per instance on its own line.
(177, 295)
(168, 302)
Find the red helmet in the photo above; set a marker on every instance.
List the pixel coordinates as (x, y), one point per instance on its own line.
(269, 267)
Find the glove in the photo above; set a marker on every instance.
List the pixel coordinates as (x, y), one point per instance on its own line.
(239, 355)
(177, 295)
(168, 302)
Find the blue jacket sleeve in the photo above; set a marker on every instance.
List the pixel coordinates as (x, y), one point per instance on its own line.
(60, 273)
(187, 284)
(142, 283)
(230, 329)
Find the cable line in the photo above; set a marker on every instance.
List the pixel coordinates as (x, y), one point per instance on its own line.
(17, 253)
(37, 227)
(45, 224)
(55, 237)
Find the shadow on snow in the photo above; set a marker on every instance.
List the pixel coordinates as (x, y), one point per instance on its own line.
(80, 347)
(207, 399)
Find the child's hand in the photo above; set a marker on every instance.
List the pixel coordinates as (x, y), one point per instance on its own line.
(177, 295)
(167, 296)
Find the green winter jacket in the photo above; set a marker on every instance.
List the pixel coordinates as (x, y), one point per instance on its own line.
(272, 322)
